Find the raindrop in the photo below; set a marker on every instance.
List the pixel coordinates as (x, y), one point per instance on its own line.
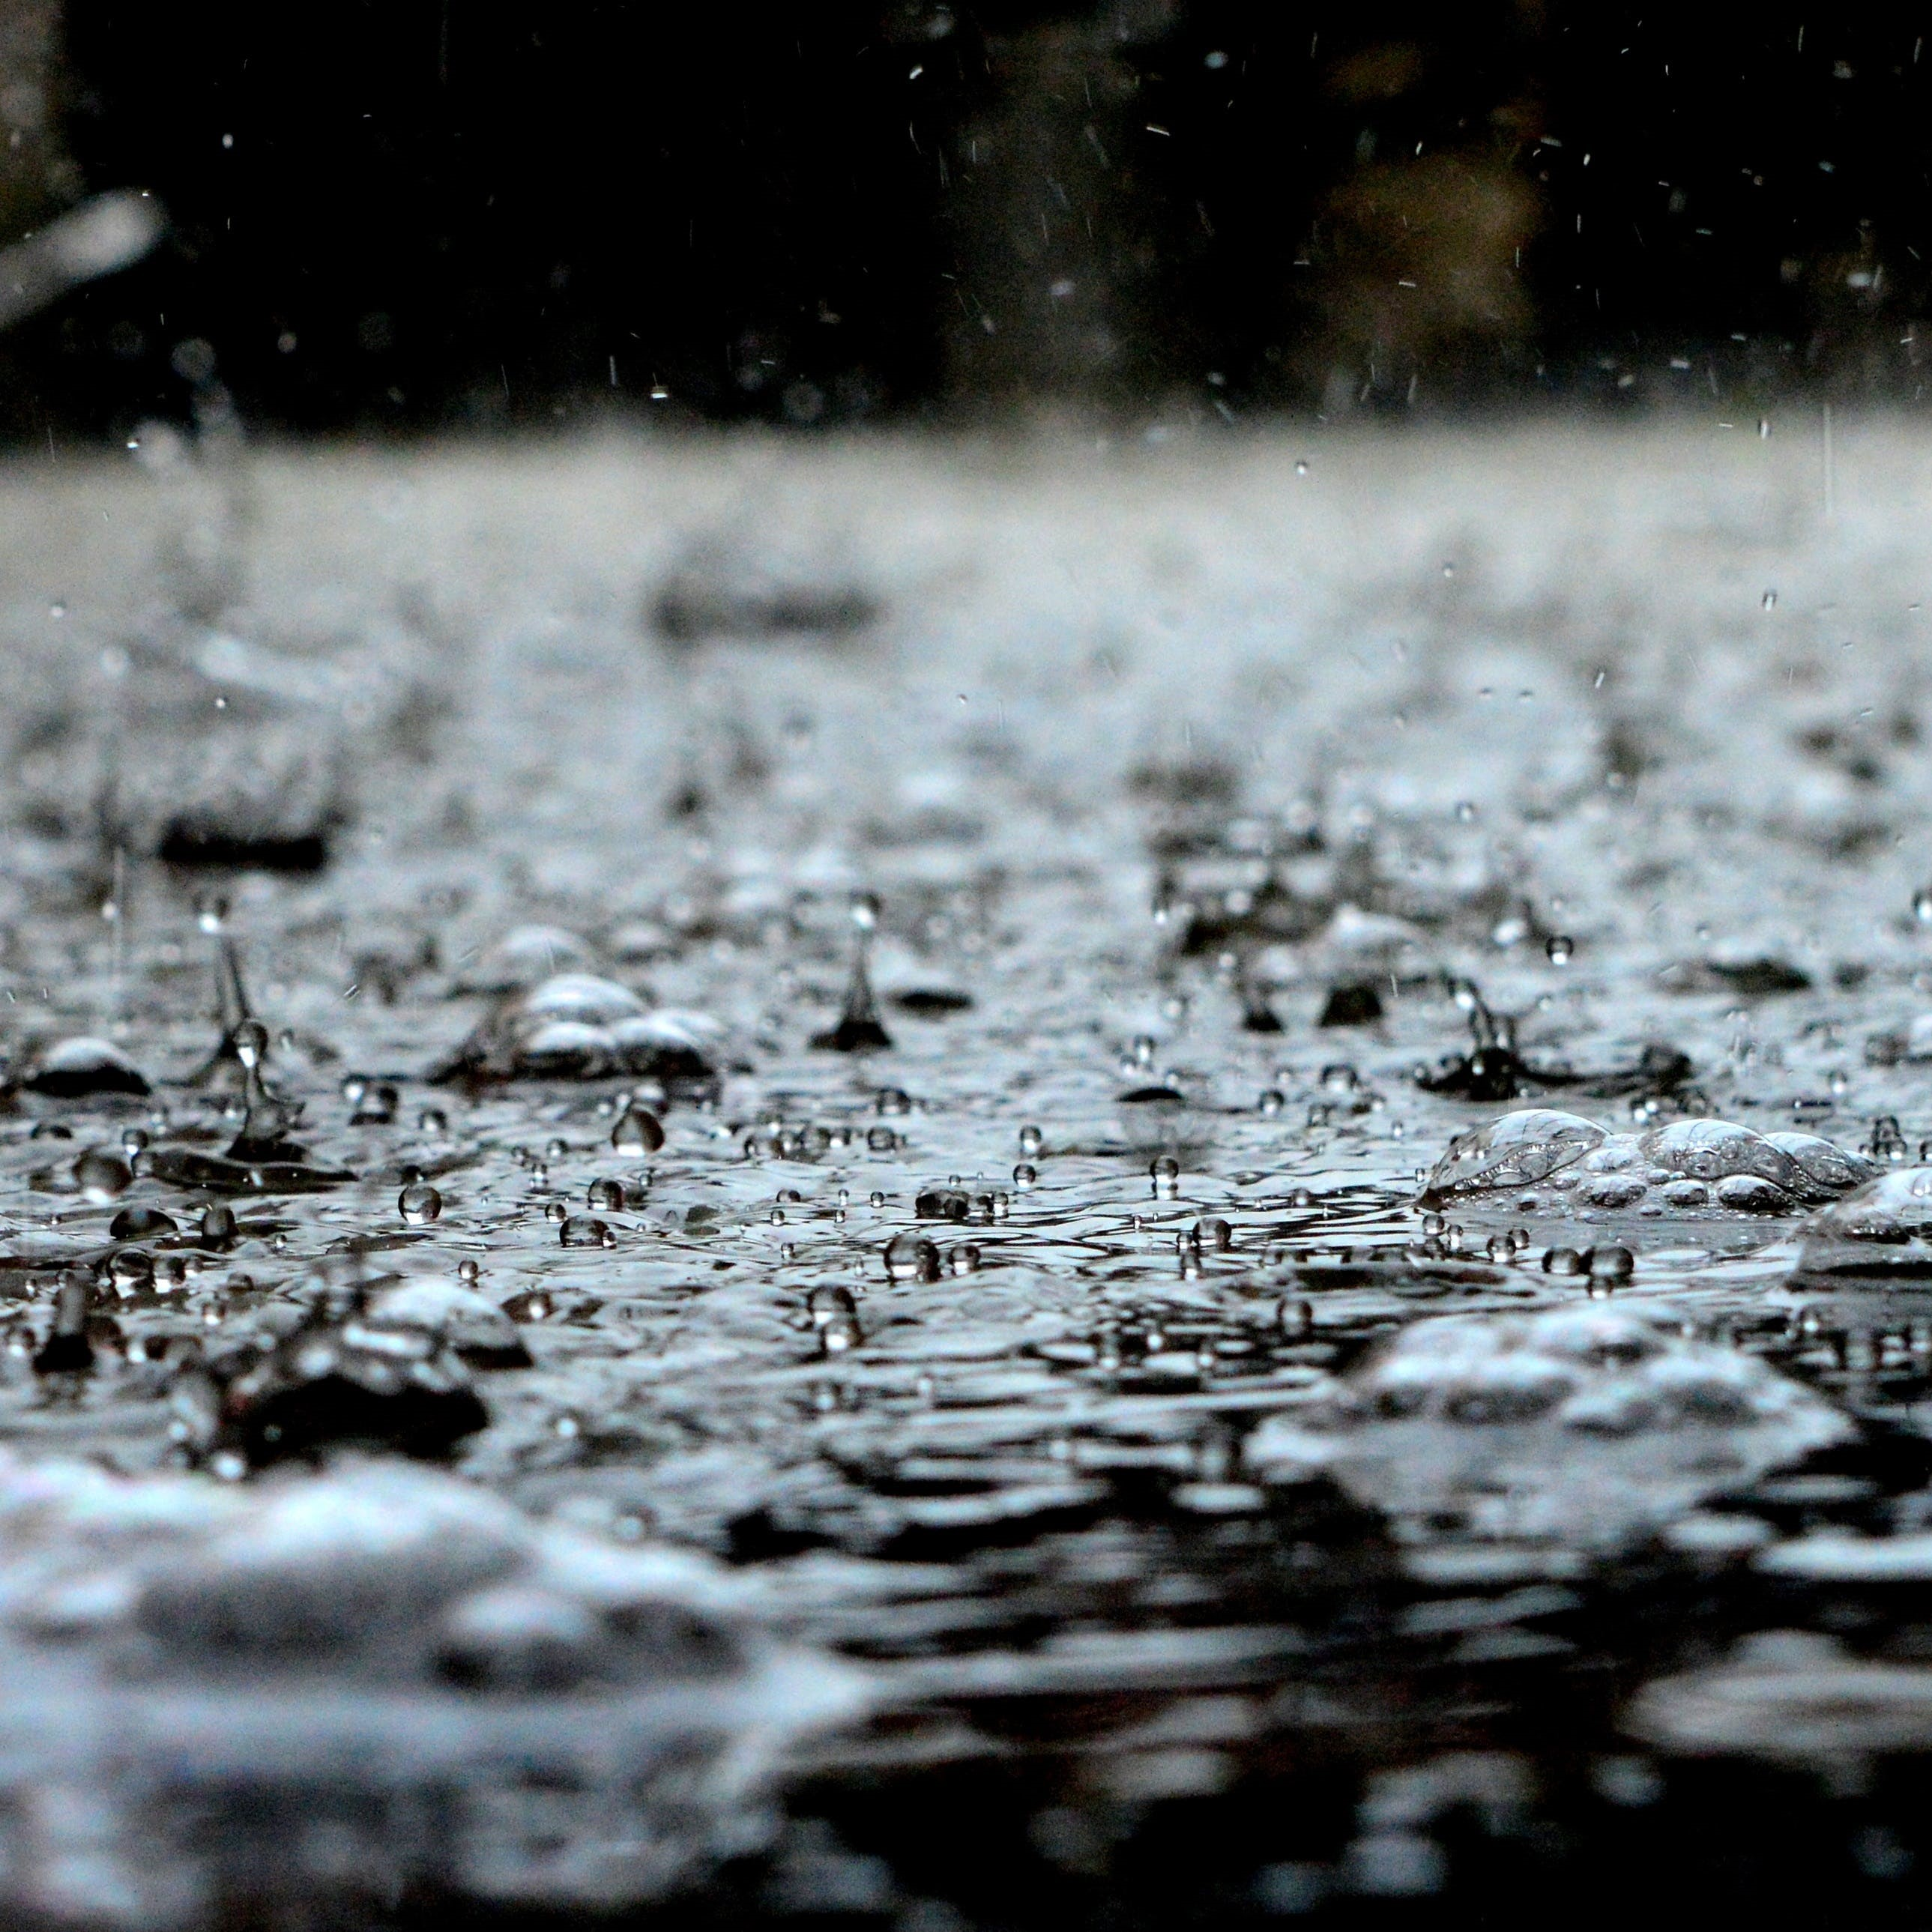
(1560, 948)
(1295, 1319)
(638, 1131)
(217, 1226)
(141, 1224)
(829, 1304)
(1769, 600)
(585, 1231)
(1921, 905)
(1271, 1101)
(1031, 1141)
(1213, 1233)
(1165, 1172)
(607, 1195)
(100, 1176)
(910, 1257)
(964, 1259)
(131, 1271)
(419, 1203)
(1024, 1176)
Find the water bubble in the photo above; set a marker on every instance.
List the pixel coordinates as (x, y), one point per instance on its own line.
(131, 1271)
(828, 1304)
(141, 1224)
(1613, 1262)
(1031, 1141)
(1560, 948)
(910, 1257)
(419, 1203)
(374, 1106)
(100, 1176)
(585, 1231)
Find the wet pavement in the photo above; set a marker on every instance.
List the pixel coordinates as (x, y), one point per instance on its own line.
(957, 1185)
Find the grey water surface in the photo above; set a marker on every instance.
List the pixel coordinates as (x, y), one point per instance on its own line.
(958, 1183)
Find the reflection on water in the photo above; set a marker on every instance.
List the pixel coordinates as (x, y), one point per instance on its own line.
(966, 1117)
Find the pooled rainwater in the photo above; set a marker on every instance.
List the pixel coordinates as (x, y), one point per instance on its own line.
(959, 1190)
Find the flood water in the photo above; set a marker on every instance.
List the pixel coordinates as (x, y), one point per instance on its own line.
(728, 1184)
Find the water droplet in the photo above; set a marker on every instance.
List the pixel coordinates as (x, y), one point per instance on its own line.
(1143, 1050)
(1921, 905)
(1213, 1233)
(585, 1231)
(638, 1131)
(910, 1257)
(1165, 1172)
(1024, 1175)
(1301, 470)
(864, 911)
(141, 1224)
(100, 1176)
(419, 1203)
(881, 1140)
(1465, 813)
(1769, 600)
(217, 1226)
(131, 1271)
(964, 1259)
(1560, 948)
(607, 1195)
(1031, 1141)
(433, 1121)
(1295, 1318)
(876, 1198)
(892, 1100)
(1271, 1101)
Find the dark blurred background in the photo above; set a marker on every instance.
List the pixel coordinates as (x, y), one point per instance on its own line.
(416, 214)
